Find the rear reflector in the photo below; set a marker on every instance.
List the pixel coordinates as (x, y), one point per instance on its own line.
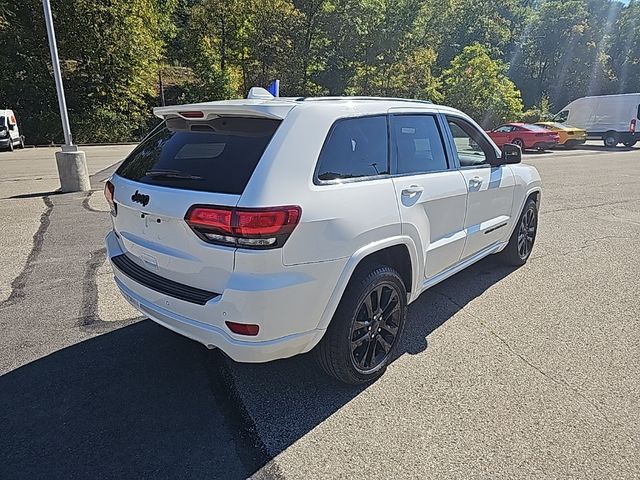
(191, 114)
(257, 228)
(632, 126)
(243, 328)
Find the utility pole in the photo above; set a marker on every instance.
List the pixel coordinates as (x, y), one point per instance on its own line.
(72, 163)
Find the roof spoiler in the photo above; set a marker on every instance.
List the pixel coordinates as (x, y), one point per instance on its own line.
(235, 108)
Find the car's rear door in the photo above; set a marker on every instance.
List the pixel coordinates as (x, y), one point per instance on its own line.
(431, 192)
(490, 188)
(181, 164)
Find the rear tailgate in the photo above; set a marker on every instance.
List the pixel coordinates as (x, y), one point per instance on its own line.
(181, 164)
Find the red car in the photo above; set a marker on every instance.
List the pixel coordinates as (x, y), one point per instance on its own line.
(525, 135)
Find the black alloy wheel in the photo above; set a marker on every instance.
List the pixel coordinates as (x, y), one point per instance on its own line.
(520, 245)
(366, 328)
(527, 233)
(375, 327)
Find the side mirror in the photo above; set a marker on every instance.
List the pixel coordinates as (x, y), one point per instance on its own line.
(12, 126)
(511, 154)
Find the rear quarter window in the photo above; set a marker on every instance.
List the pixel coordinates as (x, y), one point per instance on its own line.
(218, 155)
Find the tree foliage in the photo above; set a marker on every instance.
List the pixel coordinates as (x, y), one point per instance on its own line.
(476, 84)
(487, 57)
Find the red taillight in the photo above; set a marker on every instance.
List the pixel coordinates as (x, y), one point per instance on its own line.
(632, 126)
(243, 328)
(210, 218)
(109, 190)
(192, 114)
(244, 227)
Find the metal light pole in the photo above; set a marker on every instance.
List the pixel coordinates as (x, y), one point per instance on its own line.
(72, 163)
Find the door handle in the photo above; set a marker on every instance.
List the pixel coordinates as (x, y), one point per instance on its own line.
(412, 191)
(475, 181)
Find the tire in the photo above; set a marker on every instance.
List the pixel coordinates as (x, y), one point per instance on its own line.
(518, 142)
(630, 144)
(21, 142)
(610, 140)
(516, 253)
(10, 145)
(345, 350)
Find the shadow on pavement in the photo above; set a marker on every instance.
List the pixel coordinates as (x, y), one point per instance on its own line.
(136, 402)
(598, 148)
(142, 401)
(287, 398)
(37, 194)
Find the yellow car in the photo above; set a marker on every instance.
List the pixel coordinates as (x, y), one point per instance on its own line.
(570, 137)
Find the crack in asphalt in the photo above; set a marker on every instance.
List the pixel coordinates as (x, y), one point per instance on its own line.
(89, 306)
(586, 207)
(255, 454)
(586, 243)
(563, 383)
(18, 284)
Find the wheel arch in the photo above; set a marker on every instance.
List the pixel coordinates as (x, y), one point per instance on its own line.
(399, 253)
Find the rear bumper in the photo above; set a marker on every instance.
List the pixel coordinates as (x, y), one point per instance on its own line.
(215, 337)
(288, 316)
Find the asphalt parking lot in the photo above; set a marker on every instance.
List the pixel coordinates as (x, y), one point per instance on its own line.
(527, 373)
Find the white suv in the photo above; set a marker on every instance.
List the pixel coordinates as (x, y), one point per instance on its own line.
(270, 227)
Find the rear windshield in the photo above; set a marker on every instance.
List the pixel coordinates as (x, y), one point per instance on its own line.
(218, 155)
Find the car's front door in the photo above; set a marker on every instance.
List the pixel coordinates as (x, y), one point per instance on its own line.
(431, 192)
(490, 199)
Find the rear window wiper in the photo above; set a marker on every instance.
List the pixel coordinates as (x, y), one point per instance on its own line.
(172, 174)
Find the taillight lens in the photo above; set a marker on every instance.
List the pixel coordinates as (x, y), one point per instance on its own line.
(109, 189)
(632, 126)
(257, 228)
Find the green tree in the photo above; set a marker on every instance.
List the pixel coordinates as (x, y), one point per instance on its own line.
(109, 53)
(624, 52)
(562, 51)
(477, 85)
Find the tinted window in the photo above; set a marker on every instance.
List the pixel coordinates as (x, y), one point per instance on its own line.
(562, 116)
(417, 144)
(638, 115)
(356, 147)
(504, 129)
(3, 122)
(471, 146)
(218, 155)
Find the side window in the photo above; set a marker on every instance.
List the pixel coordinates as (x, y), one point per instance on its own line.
(355, 147)
(561, 117)
(471, 146)
(417, 144)
(504, 129)
(638, 114)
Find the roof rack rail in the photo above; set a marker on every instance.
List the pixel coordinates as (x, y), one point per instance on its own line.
(360, 98)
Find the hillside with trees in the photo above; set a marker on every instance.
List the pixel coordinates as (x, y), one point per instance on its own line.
(497, 60)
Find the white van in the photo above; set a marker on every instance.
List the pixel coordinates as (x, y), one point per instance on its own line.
(9, 134)
(612, 118)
